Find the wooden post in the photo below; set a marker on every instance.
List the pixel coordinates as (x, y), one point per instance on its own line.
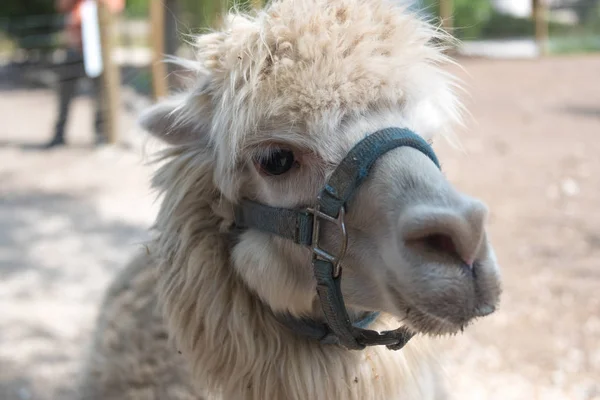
(111, 77)
(446, 15)
(171, 39)
(540, 17)
(157, 41)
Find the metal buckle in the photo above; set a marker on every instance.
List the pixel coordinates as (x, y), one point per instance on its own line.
(319, 252)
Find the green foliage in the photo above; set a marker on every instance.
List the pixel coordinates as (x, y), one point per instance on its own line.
(199, 14)
(30, 23)
(591, 20)
(470, 17)
(137, 8)
(502, 26)
(476, 19)
(574, 44)
(21, 8)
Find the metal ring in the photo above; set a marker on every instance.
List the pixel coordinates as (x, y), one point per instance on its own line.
(317, 251)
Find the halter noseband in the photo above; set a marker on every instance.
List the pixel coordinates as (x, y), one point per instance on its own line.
(303, 227)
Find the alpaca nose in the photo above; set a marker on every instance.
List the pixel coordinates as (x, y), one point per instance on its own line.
(452, 230)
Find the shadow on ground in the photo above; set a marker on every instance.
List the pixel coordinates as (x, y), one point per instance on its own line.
(56, 252)
(55, 218)
(582, 111)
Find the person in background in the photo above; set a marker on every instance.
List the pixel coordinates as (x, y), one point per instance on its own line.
(72, 70)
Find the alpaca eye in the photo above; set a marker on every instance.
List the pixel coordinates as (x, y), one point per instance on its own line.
(277, 162)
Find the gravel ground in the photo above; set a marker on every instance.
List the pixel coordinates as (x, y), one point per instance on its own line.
(70, 218)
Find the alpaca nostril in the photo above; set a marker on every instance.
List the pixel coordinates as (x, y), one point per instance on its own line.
(457, 233)
(441, 243)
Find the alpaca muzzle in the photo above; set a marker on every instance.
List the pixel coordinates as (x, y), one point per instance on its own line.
(303, 227)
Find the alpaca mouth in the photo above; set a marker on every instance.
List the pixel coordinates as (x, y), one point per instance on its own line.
(432, 324)
(463, 293)
(420, 320)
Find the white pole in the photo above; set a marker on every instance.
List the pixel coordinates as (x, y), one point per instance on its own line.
(90, 34)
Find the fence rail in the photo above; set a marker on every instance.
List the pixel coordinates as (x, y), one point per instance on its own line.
(563, 26)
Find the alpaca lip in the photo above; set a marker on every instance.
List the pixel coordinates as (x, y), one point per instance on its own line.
(468, 269)
(484, 310)
(429, 323)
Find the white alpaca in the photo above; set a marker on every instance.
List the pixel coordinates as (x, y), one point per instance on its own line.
(279, 101)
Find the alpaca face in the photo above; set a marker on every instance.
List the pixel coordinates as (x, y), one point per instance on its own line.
(417, 247)
(279, 102)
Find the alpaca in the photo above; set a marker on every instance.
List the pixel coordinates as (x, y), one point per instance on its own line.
(278, 101)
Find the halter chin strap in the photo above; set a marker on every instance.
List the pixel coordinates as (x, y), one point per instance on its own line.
(303, 227)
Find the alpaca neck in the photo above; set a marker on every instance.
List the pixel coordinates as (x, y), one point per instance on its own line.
(238, 350)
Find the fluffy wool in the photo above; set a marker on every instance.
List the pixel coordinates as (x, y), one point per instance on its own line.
(307, 66)
(315, 75)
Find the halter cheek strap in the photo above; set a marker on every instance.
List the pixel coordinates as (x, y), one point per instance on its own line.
(303, 227)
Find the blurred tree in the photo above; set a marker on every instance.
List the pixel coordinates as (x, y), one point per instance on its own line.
(30, 23)
(19, 8)
(470, 16)
(476, 19)
(202, 13)
(137, 8)
(586, 9)
(591, 18)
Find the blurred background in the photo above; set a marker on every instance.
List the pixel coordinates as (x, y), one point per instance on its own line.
(75, 201)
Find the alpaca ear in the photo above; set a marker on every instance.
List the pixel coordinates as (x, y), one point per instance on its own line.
(187, 118)
(178, 120)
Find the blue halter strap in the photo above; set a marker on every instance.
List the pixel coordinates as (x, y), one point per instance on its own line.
(303, 227)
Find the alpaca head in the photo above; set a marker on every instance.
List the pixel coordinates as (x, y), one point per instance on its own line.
(278, 101)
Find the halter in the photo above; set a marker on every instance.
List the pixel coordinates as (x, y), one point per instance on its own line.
(303, 227)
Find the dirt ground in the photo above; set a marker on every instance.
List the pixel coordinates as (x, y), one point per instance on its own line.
(70, 218)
